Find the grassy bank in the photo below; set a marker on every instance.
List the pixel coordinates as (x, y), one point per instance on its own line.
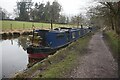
(113, 41)
(59, 64)
(21, 25)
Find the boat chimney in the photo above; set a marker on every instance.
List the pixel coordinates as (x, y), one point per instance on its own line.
(78, 22)
(33, 33)
(81, 27)
(51, 25)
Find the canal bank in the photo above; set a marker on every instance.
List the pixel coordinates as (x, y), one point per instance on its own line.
(6, 35)
(57, 65)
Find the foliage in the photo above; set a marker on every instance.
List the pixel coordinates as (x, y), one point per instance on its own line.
(62, 19)
(3, 14)
(107, 14)
(42, 12)
(47, 12)
(78, 20)
(55, 11)
(23, 9)
(113, 40)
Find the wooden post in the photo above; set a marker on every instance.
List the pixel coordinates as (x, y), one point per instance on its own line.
(51, 25)
(11, 27)
(33, 26)
(11, 41)
(23, 26)
(42, 26)
(78, 21)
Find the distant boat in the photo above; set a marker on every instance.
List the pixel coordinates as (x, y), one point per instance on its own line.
(45, 42)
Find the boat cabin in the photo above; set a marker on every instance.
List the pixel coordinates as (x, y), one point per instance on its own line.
(58, 37)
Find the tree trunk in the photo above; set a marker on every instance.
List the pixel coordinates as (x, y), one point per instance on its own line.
(117, 24)
(112, 23)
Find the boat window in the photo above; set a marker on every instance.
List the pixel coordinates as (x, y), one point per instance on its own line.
(79, 32)
(73, 35)
(60, 35)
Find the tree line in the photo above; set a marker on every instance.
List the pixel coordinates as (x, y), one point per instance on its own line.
(106, 14)
(4, 14)
(28, 11)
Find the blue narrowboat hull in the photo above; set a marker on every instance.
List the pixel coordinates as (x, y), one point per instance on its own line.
(55, 40)
(37, 52)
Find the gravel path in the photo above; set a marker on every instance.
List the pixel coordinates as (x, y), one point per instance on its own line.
(98, 62)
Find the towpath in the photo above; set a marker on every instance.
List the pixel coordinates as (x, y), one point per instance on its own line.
(97, 63)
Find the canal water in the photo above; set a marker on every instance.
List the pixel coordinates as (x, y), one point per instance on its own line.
(14, 56)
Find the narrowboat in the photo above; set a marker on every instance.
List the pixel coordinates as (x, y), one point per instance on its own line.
(49, 41)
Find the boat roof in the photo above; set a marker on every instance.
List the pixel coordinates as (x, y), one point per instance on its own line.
(59, 30)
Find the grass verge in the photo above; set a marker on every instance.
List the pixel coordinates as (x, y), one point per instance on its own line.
(59, 64)
(22, 25)
(113, 41)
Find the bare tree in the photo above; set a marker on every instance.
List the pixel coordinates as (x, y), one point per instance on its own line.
(106, 14)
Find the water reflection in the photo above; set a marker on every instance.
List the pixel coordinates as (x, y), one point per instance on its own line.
(15, 57)
(24, 41)
(9, 36)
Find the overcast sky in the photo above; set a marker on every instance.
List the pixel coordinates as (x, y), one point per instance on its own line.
(70, 7)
